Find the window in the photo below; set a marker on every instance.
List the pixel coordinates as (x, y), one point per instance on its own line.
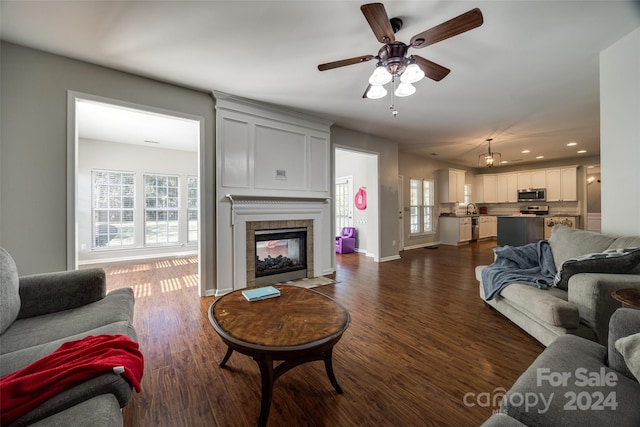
(344, 209)
(162, 204)
(420, 206)
(113, 195)
(467, 195)
(192, 209)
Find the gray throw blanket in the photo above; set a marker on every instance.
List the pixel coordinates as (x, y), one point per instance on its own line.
(530, 264)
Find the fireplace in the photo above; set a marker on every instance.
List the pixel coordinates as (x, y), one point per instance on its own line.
(278, 251)
(281, 255)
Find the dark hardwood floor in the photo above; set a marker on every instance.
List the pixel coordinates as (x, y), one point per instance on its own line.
(420, 340)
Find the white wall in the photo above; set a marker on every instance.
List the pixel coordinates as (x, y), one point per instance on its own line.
(141, 160)
(620, 135)
(33, 173)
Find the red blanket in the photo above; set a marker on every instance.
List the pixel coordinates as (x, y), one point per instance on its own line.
(72, 363)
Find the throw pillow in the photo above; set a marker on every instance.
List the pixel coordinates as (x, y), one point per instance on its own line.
(629, 347)
(9, 294)
(611, 261)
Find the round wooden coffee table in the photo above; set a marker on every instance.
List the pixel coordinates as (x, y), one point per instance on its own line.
(629, 297)
(299, 326)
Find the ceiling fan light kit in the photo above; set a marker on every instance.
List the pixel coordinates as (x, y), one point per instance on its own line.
(393, 61)
(380, 76)
(405, 89)
(376, 92)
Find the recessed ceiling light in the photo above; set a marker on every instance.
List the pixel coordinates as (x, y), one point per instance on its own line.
(525, 151)
(504, 161)
(582, 151)
(571, 144)
(539, 157)
(151, 141)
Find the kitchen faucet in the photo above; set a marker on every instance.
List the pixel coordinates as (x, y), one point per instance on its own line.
(475, 208)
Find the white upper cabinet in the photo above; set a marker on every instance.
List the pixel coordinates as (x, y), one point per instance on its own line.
(507, 187)
(538, 179)
(451, 185)
(486, 191)
(562, 184)
(524, 180)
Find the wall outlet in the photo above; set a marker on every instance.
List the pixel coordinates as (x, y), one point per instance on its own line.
(83, 247)
(393, 243)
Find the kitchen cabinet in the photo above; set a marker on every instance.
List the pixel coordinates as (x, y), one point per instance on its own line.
(454, 230)
(524, 180)
(451, 185)
(507, 188)
(488, 227)
(562, 184)
(539, 179)
(551, 221)
(486, 189)
(532, 179)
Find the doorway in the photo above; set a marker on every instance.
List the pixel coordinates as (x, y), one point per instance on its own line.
(357, 172)
(134, 182)
(593, 198)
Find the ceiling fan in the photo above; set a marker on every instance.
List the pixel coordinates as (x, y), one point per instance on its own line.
(393, 60)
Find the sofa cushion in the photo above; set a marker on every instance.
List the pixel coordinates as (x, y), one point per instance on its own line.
(567, 242)
(623, 323)
(12, 361)
(549, 307)
(627, 242)
(629, 347)
(32, 331)
(620, 261)
(554, 390)
(9, 291)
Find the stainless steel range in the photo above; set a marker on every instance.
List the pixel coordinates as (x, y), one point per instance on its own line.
(534, 210)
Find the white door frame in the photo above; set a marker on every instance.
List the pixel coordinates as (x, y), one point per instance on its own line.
(72, 170)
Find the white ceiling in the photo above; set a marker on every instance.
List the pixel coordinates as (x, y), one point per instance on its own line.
(104, 122)
(528, 77)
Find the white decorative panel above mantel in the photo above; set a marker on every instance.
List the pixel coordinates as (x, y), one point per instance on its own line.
(271, 165)
(265, 151)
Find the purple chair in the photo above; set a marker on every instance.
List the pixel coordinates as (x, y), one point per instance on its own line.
(346, 241)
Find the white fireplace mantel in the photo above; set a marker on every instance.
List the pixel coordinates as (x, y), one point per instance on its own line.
(232, 232)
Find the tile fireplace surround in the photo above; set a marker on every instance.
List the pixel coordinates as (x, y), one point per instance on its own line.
(240, 219)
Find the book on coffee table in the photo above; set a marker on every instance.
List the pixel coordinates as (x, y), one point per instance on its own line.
(257, 294)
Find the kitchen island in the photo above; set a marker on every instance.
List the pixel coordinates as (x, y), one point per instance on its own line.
(518, 230)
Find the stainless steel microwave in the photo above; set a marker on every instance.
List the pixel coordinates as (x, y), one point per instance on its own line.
(532, 195)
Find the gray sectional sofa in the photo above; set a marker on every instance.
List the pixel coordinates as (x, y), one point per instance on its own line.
(38, 313)
(577, 382)
(585, 306)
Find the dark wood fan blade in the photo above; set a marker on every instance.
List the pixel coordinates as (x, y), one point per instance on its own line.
(364, 95)
(378, 20)
(431, 69)
(344, 62)
(465, 22)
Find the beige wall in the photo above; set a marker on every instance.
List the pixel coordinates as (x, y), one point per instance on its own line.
(33, 174)
(620, 135)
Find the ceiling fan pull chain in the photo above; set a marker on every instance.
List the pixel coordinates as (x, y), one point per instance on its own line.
(392, 107)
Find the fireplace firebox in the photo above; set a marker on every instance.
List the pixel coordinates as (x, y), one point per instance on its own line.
(281, 255)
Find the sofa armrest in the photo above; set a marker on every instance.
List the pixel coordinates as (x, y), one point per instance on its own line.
(591, 293)
(52, 292)
(108, 383)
